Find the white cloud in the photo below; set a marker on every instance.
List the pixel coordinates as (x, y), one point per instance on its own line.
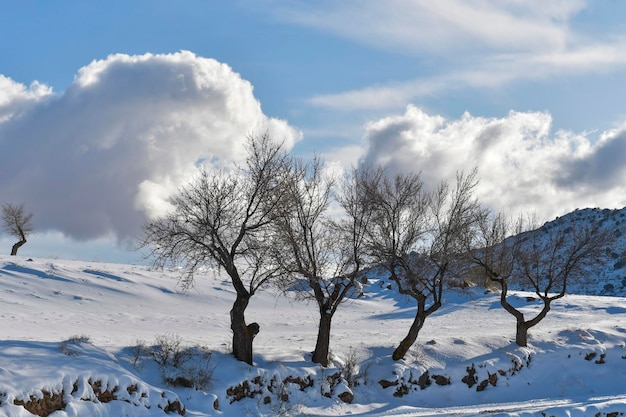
(99, 157)
(472, 43)
(435, 26)
(492, 71)
(16, 98)
(522, 164)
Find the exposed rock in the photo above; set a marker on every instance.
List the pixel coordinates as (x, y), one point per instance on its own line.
(304, 383)
(48, 404)
(424, 380)
(175, 407)
(401, 391)
(386, 384)
(441, 380)
(470, 379)
(483, 384)
(346, 397)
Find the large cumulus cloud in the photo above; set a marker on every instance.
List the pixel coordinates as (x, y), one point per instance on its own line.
(98, 158)
(523, 166)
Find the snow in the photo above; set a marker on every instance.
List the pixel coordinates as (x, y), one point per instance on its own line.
(87, 332)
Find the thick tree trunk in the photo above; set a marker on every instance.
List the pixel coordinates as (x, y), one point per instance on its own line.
(521, 334)
(17, 246)
(411, 337)
(322, 346)
(242, 334)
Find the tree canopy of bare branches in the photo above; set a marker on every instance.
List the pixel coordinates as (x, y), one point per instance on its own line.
(326, 253)
(222, 219)
(17, 222)
(546, 259)
(418, 236)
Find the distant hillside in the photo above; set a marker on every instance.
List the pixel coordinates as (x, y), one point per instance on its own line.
(608, 277)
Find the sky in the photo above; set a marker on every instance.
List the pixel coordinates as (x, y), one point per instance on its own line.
(106, 108)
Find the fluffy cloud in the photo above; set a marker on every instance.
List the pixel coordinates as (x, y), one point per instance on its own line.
(101, 156)
(522, 165)
(16, 98)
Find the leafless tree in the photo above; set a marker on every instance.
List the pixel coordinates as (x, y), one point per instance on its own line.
(546, 259)
(417, 236)
(397, 229)
(17, 223)
(222, 219)
(326, 253)
(549, 259)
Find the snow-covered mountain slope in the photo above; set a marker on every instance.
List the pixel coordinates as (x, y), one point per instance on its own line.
(607, 276)
(92, 339)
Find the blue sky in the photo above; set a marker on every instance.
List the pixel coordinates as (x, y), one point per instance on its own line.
(105, 107)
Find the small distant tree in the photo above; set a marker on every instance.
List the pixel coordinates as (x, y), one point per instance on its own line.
(418, 237)
(222, 219)
(17, 222)
(326, 254)
(546, 259)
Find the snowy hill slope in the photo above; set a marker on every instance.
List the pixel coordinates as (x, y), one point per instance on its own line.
(92, 339)
(608, 275)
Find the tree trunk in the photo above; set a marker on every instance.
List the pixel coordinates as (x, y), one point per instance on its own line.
(521, 334)
(322, 346)
(17, 246)
(242, 334)
(410, 338)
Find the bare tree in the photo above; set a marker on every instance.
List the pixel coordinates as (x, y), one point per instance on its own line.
(397, 229)
(419, 237)
(17, 223)
(547, 259)
(451, 213)
(222, 219)
(495, 251)
(325, 252)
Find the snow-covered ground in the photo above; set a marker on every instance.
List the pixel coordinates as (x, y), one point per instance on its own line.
(85, 338)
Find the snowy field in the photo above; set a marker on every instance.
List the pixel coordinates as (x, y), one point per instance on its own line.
(93, 339)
